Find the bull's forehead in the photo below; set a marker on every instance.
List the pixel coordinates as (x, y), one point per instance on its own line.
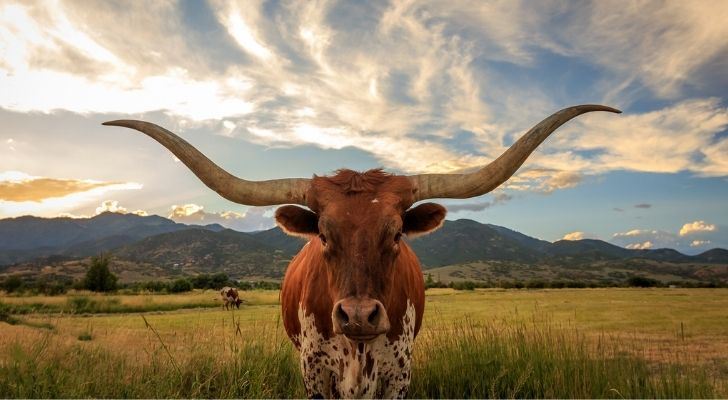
(348, 189)
(362, 211)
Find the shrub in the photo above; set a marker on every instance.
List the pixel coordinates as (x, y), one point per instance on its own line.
(536, 284)
(98, 276)
(641, 281)
(81, 304)
(466, 285)
(180, 285)
(12, 284)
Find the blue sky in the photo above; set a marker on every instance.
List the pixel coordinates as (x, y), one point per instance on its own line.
(277, 89)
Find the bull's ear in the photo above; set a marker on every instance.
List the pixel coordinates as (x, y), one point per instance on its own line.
(297, 221)
(423, 219)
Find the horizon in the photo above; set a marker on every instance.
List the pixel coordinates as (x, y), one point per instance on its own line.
(272, 90)
(202, 225)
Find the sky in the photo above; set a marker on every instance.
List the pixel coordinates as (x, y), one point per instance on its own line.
(274, 89)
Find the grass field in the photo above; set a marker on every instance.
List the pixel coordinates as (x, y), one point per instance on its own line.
(613, 343)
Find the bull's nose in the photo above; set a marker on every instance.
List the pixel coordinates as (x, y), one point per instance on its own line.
(360, 319)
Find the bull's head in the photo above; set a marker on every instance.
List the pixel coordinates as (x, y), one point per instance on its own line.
(356, 220)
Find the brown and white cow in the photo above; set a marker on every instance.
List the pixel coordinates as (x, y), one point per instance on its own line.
(353, 297)
(230, 296)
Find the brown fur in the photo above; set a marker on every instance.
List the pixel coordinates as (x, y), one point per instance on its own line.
(354, 248)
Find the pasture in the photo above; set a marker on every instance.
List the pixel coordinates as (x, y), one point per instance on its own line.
(605, 343)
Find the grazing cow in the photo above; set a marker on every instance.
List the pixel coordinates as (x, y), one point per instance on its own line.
(230, 296)
(353, 297)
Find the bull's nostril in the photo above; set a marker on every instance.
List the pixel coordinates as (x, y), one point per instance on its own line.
(342, 315)
(374, 315)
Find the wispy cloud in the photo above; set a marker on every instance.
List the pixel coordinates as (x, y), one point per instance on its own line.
(498, 198)
(19, 187)
(396, 80)
(643, 205)
(699, 243)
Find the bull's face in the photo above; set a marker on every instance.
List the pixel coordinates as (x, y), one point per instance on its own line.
(360, 236)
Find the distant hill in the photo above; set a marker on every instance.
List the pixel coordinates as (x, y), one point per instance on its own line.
(26, 238)
(714, 256)
(154, 247)
(193, 251)
(586, 250)
(465, 240)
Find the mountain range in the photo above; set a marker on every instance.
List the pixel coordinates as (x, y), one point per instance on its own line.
(153, 247)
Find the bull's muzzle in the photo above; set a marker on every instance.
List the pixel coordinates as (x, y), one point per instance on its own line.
(360, 319)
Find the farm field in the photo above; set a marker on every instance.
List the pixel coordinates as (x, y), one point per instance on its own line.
(608, 343)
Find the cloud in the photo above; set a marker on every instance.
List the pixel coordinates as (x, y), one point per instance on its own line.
(498, 198)
(18, 187)
(695, 227)
(688, 239)
(642, 205)
(574, 236)
(253, 219)
(640, 246)
(646, 142)
(543, 180)
(633, 232)
(114, 207)
(617, 209)
(22, 194)
(396, 80)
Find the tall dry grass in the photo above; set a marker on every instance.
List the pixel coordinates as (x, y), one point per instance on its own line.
(469, 361)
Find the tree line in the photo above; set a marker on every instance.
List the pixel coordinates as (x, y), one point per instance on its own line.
(632, 281)
(99, 278)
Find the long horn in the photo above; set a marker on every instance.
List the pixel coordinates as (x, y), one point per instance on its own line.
(463, 186)
(252, 193)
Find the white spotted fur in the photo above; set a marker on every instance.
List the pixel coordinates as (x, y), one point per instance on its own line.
(334, 374)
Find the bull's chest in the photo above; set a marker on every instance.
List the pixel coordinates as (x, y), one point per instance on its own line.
(336, 367)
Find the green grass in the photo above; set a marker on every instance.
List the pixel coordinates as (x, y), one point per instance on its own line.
(475, 362)
(604, 343)
(79, 372)
(94, 303)
(530, 361)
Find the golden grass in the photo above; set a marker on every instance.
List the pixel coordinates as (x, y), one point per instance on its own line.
(685, 326)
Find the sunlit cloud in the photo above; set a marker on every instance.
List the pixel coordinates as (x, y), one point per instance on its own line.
(640, 246)
(544, 180)
(19, 187)
(22, 194)
(691, 237)
(634, 232)
(114, 207)
(695, 227)
(574, 236)
(399, 84)
(234, 19)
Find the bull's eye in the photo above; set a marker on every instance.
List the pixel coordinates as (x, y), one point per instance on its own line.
(322, 238)
(397, 237)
